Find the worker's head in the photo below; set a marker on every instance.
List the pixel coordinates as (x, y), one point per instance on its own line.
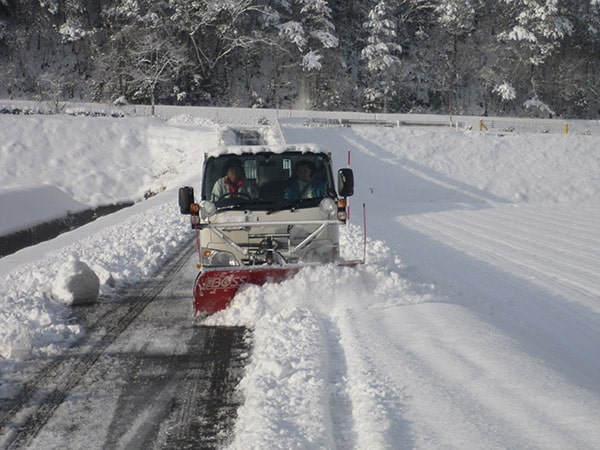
(303, 170)
(234, 169)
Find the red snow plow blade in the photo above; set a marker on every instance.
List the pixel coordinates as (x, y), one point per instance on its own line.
(215, 288)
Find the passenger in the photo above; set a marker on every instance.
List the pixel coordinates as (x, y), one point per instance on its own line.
(233, 184)
(304, 184)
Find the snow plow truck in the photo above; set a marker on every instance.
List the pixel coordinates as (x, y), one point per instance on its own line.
(264, 213)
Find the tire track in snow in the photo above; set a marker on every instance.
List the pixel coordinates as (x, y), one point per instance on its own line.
(340, 404)
(572, 242)
(516, 229)
(376, 401)
(567, 222)
(536, 259)
(538, 250)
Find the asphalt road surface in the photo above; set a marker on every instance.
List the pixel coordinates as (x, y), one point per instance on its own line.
(145, 375)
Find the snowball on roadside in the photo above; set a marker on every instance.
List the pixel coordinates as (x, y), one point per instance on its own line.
(76, 283)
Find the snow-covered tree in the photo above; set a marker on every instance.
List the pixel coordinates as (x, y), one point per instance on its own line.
(456, 61)
(572, 83)
(215, 28)
(540, 28)
(381, 57)
(222, 35)
(47, 40)
(532, 38)
(306, 47)
(456, 16)
(309, 29)
(505, 91)
(144, 51)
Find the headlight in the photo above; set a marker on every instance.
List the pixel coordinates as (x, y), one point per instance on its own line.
(207, 209)
(328, 207)
(218, 258)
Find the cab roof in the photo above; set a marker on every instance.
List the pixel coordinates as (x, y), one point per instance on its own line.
(245, 149)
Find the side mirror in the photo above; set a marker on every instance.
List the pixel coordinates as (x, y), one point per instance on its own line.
(186, 198)
(345, 182)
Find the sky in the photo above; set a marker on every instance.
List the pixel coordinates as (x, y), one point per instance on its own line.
(475, 322)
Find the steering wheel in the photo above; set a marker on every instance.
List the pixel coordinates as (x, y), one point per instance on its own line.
(240, 195)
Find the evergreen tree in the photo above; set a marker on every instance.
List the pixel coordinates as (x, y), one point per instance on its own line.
(536, 32)
(570, 79)
(381, 57)
(306, 37)
(345, 74)
(456, 63)
(539, 30)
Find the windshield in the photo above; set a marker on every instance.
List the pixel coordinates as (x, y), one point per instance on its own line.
(268, 180)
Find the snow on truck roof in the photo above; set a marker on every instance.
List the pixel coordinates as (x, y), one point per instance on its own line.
(242, 149)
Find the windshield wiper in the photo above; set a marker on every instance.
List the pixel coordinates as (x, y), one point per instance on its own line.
(276, 206)
(231, 203)
(293, 204)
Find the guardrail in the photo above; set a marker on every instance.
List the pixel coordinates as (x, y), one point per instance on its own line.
(495, 125)
(291, 117)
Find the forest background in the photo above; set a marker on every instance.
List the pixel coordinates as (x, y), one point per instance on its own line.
(477, 57)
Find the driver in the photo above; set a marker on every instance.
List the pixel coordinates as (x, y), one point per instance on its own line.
(233, 184)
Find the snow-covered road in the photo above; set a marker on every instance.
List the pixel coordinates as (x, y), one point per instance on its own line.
(474, 324)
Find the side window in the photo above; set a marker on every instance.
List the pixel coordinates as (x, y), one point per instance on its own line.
(211, 175)
(250, 169)
(287, 167)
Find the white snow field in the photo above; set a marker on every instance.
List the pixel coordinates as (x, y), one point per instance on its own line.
(475, 322)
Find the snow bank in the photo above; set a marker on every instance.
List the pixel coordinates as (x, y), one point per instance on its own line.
(92, 161)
